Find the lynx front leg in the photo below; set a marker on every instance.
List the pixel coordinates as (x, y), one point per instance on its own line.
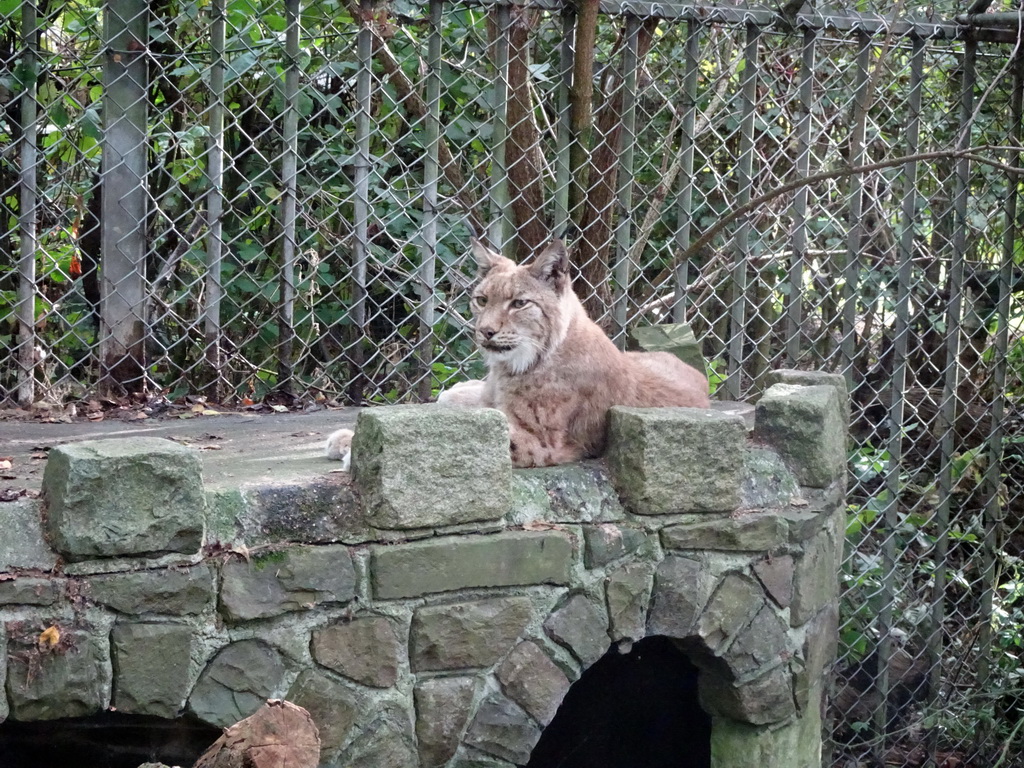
(529, 450)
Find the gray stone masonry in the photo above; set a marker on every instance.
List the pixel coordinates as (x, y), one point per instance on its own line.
(671, 460)
(112, 498)
(433, 610)
(148, 662)
(806, 426)
(419, 467)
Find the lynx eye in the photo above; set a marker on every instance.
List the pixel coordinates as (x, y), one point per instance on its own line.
(481, 300)
(518, 303)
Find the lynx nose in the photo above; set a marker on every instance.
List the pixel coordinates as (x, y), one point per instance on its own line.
(486, 332)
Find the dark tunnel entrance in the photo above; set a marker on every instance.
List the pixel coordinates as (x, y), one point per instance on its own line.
(638, 709)
(105, 740)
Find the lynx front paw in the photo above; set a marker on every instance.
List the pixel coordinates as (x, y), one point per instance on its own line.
(339, 447)
(466, 394)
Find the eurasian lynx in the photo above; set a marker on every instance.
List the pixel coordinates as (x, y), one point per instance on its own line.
(551, 370)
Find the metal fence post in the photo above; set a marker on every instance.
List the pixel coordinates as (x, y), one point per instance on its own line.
(123, 279)
(794, 300)
(684, 220)
(744, 183)
(25, 311)
(289, 182)
(622, 270)
(427, 284)
(215, 203)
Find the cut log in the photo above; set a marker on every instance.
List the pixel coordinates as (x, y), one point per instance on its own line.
(278, 735)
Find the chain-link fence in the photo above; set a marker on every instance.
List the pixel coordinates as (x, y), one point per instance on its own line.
(242, 198)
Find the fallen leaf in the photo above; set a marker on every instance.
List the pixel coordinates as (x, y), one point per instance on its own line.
(49, 637)
(279, 408)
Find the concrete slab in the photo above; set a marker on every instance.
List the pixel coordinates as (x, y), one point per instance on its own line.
(236, 449)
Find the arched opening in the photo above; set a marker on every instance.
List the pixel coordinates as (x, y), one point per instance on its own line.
(639, 709)
(104, 740)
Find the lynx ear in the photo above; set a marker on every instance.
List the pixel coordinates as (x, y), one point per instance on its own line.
(486, 259)
(552, 264)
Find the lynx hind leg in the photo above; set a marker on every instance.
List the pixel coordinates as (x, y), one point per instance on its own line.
(339, 447)
(465, 394)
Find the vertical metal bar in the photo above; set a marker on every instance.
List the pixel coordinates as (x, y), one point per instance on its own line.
(431, 173)
(947, 413)
(125, 200)
(901, 330)
(27, 231)
(289, 192)
(744, 182)
(215, 202)
(691, 62)
(858, 151)
(997, 429)
(361, 205)
(563, 171)
(622, 269)
(500, 207)
(794, 301)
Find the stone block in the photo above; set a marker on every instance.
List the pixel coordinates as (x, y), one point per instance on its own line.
(776, 576)
(322, 510)
(31, 590)
(156, 505)
(291, 579)
(682, 586)
(628, 596)
(151, 668)
(813, 379)
(23, 544)
(767, 481)
(365, 650)
(503, 729)
(606, 543)
(468, 634)
(387, 741)
(795, 744)
(736, 600)
(815, 579)
(448, 563)
(581, 492)
(236, 682)
(71, 679)
(442, 712)
(821, 639)
(753, 532)
(581, 625)
(532, 680)
(422, 466)
(672, 460)
(332, 706)
(807, 428)
(760, 645)
(762, 701)
(169, 591)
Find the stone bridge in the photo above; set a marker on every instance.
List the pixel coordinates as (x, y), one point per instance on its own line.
(434, 608)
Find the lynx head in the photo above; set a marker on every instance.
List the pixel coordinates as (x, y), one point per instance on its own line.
(522, 312)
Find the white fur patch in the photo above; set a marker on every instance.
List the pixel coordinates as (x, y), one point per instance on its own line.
(339, 448)
(518, 360)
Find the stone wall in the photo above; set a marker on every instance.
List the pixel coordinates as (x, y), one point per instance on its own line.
(433, 608)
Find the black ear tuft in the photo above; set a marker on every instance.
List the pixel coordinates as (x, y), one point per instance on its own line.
(552, 264)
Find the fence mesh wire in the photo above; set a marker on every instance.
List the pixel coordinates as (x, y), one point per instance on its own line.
(265, 198)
